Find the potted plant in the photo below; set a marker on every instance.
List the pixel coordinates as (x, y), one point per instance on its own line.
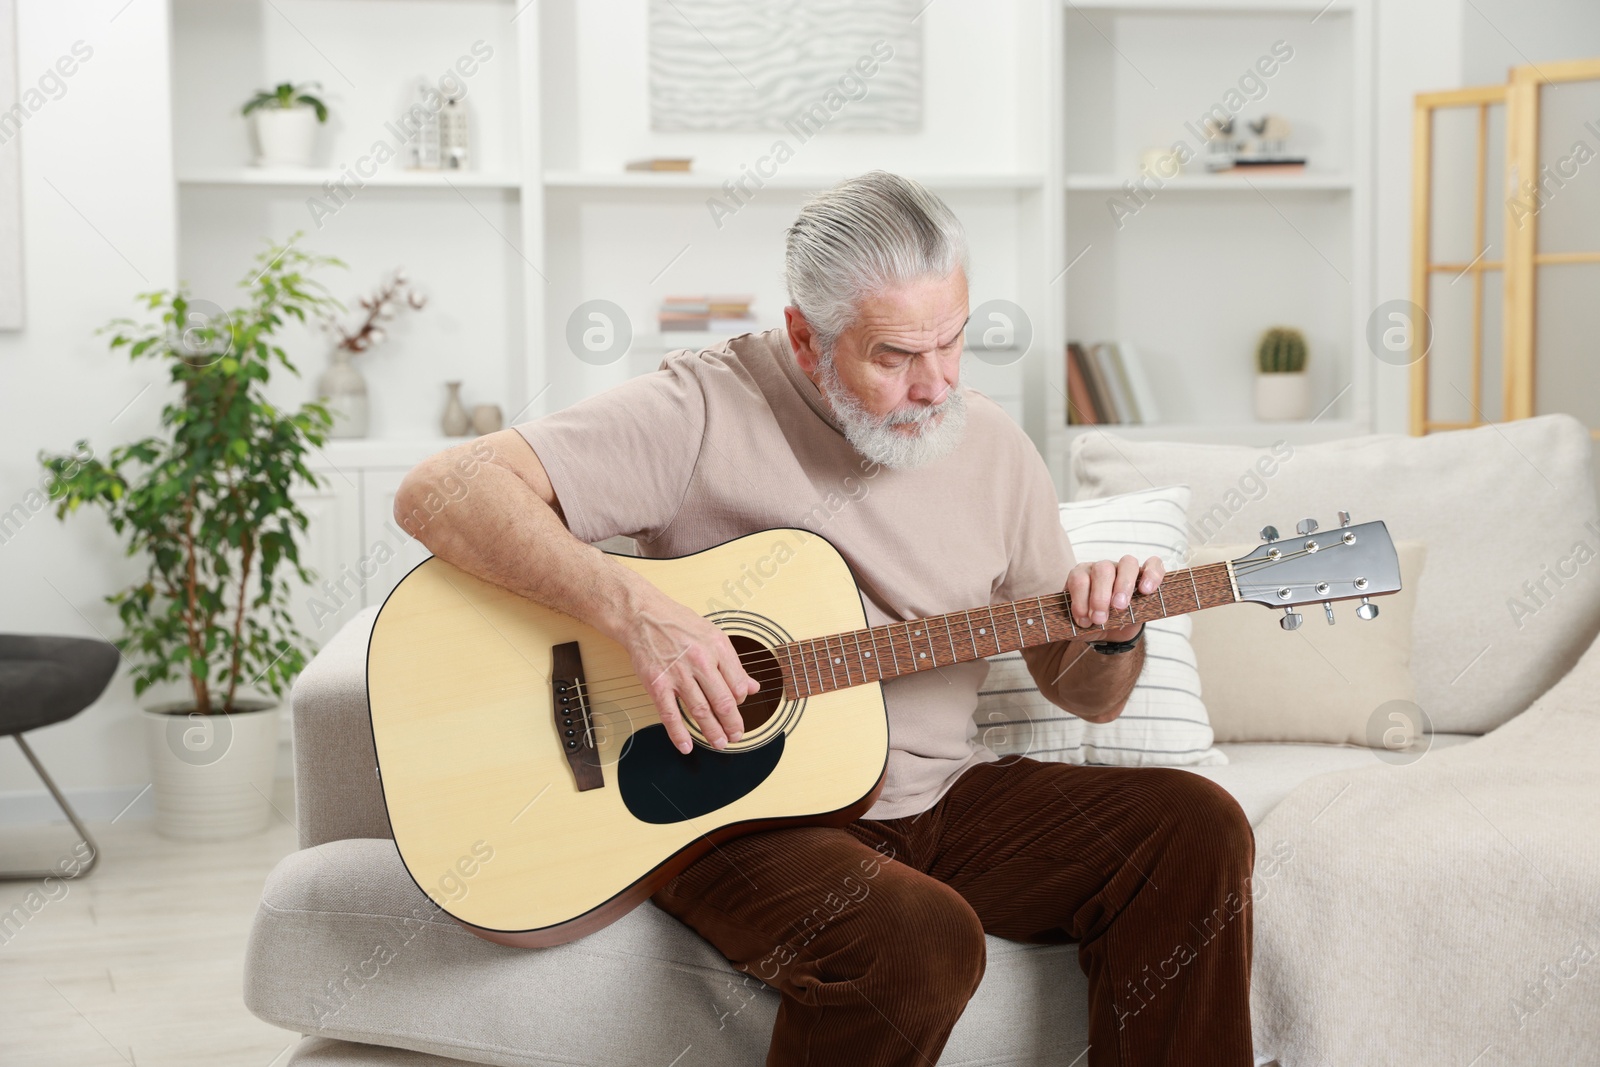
(286, 120)
(1283, 392)
(208, 503)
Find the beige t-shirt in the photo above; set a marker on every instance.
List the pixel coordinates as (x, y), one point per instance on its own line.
(734, 439)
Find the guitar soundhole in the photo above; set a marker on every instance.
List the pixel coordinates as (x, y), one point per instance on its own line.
(762, 665)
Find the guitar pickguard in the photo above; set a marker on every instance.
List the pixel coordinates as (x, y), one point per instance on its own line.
(661, 785)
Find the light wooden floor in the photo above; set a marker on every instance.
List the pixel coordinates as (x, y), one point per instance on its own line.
(141, 963)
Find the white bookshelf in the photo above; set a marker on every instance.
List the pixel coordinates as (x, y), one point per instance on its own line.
(1204, 262)
(1034, 114)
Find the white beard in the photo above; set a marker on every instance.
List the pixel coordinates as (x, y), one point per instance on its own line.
(878, 440)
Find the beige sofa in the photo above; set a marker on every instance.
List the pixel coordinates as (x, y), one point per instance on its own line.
(345, 949)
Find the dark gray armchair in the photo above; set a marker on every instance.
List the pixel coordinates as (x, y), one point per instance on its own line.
(46, 680)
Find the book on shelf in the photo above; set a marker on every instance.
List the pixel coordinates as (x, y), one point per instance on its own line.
(659, 163)
(1138, 377)
(1107, 383)
(1099, 389)
(1270, 164)
(1108, 367)
(706, 314)
(1081, 409)
(702, 324)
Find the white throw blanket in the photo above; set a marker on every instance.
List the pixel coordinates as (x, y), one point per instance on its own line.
(1444, 912)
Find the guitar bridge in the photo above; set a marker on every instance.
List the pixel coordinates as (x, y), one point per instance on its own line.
(569, 699)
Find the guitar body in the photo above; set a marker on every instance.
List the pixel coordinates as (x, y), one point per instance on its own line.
(527, 842)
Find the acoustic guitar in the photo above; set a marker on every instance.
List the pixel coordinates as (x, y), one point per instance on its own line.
(531, 786)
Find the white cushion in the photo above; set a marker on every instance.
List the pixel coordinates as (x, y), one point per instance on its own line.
(1502, 509)
(1164, 721)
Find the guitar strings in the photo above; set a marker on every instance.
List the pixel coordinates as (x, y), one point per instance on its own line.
(616, 693)
(762, 676)
(1050, 611)
(597, 687)
(605, 688)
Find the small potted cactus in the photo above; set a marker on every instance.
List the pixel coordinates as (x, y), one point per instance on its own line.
(1283, 392)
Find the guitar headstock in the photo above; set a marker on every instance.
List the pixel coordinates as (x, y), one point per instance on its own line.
(1314, 565)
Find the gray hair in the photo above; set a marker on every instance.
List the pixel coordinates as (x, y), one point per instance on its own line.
(861, 236)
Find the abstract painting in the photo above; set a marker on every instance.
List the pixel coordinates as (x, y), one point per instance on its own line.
(752, 65)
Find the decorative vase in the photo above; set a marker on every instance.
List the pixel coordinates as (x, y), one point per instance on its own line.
(486, 418)
(456, 422)
(212, 773)
(1284, 397)
(344, 390)
(425, 140)
(285, 136)
(455, 150)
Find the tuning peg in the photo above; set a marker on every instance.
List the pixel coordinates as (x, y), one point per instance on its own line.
(1269, 534)
(1291, 619)
(1306, 526)
(1327, 607)
(1344, 518)
(1367, 610)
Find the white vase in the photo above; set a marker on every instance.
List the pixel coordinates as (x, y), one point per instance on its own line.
(285, 136)
(1283, 397)
(343, 389)
(212, 773)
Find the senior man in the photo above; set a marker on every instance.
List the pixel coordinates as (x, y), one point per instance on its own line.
(1146, 869)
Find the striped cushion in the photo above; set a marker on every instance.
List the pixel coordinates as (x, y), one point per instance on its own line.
(1164, 722)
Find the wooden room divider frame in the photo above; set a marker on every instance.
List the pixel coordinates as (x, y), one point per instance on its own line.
(1521, 98)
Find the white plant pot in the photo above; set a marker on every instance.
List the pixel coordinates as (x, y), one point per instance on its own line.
(213, 773)
(285, 136)
(1283, 397)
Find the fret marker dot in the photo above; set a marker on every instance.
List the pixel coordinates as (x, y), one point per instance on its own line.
(867, 654)
(1030, 622)
(981, 630)
(922, 655)
(916, 633)
(836, 659)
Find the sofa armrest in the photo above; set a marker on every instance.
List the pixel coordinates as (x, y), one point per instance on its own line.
(337, 794)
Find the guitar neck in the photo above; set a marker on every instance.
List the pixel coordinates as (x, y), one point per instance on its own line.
(881, 653)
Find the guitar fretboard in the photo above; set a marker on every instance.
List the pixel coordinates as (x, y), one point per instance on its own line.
(880, 653)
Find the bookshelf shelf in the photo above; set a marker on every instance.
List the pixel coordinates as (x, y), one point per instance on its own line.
(1219, 433)
(702, 182)
(672, 340)
(1225, 7)
(1185, 184)
(317, 177)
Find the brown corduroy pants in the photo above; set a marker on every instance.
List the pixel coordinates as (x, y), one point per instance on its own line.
(873, 932)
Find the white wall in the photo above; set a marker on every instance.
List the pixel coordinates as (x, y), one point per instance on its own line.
(97, 228)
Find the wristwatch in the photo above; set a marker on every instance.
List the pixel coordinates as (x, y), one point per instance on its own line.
(1113, 648)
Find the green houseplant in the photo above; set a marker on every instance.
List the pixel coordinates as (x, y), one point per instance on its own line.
(1283, 392)
(207, 503)
(286, 118)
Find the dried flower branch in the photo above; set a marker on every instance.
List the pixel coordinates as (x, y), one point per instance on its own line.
(392, 297)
